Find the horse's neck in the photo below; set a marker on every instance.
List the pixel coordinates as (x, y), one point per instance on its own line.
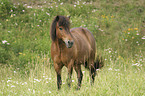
(60, 45)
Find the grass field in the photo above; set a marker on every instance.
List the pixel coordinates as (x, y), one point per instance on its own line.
(26, 68)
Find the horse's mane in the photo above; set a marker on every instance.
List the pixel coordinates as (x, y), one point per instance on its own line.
(62, 21)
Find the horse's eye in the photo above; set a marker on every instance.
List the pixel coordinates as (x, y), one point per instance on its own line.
(60, 28)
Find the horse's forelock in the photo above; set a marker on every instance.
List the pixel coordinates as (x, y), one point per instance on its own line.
(64, 21)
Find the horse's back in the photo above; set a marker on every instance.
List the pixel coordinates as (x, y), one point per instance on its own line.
(85, 34)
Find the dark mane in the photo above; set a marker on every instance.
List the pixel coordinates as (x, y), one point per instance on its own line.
(62, 21)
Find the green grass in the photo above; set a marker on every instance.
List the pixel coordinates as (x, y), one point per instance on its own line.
(115, 79)
(25, 63)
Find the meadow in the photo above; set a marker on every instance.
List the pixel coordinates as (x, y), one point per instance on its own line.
(26, 68)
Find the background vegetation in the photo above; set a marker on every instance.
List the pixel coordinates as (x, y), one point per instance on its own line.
(25, 64)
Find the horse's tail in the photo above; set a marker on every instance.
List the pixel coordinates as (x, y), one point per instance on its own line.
(99, 63)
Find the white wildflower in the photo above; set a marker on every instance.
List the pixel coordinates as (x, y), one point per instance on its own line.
(143, 37)
(4, 41)
(29, 6)
(97, 69)
(48, 14)
(61, 3)
(15, 72)
(110, 69)
(49, 78)
(8, 81)
(33, 91)
(29, 89)
(83, 71)
(116, 69)
(13, 86)
(8, 43)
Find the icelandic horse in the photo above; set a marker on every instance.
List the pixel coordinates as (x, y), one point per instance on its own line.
(72, 48)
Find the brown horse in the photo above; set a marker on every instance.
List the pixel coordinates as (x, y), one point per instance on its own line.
(71, 48)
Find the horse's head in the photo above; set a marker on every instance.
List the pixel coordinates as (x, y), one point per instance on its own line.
(60, 29)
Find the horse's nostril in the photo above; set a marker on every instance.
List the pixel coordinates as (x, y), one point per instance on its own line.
(69, 42)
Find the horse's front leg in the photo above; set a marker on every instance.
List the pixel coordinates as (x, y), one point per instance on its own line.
(70, 70)
(58, 68)
(79, 74)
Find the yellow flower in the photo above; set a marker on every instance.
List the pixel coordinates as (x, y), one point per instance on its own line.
(103, 16)
(20, 53)
(7, 20)
(132, 37)
(129, 29)
(135, 28)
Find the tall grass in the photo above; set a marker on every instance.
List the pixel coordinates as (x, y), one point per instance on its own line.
(25, 64)
(121, 77)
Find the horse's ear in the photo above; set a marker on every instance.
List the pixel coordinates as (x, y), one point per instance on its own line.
(57, 18)
(69, 17)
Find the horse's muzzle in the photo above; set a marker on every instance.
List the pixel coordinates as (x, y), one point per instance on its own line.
(69, 43)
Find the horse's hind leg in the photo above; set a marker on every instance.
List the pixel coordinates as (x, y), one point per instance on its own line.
(92, 75)
(92, 72)
(58, 68)
(79, 74)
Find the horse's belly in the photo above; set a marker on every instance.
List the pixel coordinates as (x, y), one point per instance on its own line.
(82, 58)
(83, 54)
